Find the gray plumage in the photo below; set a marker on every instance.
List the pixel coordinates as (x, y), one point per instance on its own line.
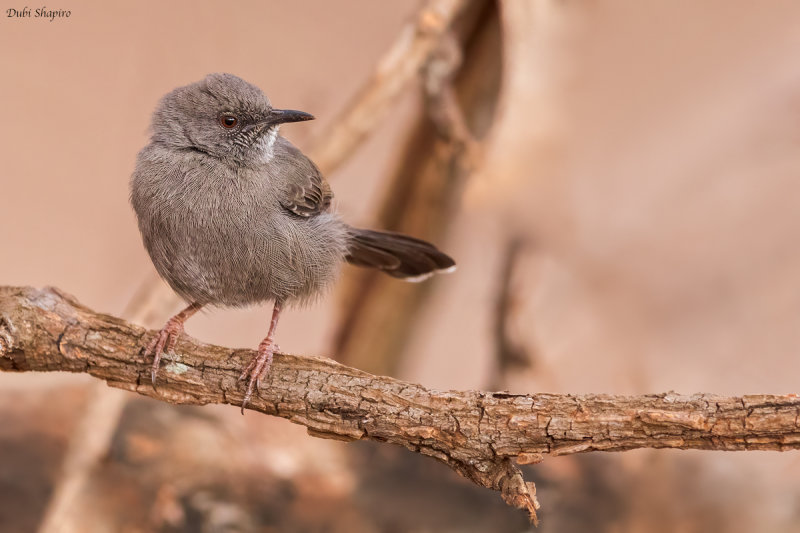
(221, 235)
(233, 214)
(234, 218)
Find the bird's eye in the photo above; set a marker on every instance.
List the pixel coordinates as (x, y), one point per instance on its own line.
(228, 121)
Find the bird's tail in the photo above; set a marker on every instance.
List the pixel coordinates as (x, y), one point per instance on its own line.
(398, 255)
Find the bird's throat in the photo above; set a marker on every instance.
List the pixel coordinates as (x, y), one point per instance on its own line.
(266, 143)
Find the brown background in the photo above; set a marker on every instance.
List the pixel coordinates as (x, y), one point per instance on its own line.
(650, 151)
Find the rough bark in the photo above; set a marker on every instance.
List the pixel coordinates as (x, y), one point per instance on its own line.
(481, 435)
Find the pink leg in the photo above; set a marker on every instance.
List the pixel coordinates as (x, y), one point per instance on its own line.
(259, 365)
(168, 336)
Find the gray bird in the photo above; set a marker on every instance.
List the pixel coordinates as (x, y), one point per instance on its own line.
(232, 214)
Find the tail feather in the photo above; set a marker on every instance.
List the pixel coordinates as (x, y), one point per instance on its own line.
(398, 255)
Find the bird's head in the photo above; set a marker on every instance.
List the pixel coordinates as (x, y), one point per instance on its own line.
(223, 116)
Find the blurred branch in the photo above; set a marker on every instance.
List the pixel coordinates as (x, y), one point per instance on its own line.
(460, 88)
(511, 354)
(441, 101)
(91, 438)
(398, 67)
(478, 434)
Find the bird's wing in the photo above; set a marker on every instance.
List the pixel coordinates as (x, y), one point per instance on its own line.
(308, 196)
(305, 192)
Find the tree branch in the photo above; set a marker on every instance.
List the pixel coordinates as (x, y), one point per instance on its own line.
(478, 434)
(398, 66)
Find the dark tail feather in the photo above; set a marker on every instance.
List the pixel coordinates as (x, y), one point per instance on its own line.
(398, 255)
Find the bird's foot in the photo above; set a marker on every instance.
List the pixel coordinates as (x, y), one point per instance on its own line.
(166, 338)
(257, 369)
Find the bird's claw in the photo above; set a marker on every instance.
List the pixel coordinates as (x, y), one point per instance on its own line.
(257, 369)
(166, 338)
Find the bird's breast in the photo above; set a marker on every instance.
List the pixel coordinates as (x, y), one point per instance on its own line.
(220, 236)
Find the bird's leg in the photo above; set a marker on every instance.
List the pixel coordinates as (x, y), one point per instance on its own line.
(168, 336)
(259, 365)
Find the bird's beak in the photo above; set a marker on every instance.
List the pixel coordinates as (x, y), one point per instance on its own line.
(280, 116)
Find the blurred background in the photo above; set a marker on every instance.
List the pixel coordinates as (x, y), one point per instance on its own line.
(624, 206)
